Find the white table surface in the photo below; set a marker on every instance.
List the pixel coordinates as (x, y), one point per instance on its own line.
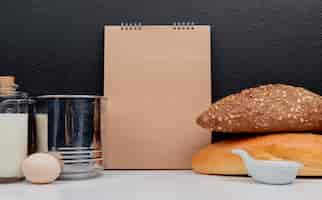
(165, 185)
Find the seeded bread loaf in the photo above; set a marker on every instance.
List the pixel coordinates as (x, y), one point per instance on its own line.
(268, 108)
(304, 148)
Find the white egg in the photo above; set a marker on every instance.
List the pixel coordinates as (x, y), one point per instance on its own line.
(41, 168)
(59, 158)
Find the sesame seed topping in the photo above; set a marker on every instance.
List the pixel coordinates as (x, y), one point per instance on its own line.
(220, 119)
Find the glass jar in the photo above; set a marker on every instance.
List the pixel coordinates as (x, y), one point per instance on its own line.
(14, 111)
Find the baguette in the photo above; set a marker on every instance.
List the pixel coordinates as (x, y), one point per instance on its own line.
(304, 148)
(265, 109)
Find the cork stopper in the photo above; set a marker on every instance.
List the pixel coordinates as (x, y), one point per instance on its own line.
(7, 85)
(7, 81)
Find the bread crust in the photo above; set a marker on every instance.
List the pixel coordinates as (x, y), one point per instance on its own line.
(265, 109)
(218, 159)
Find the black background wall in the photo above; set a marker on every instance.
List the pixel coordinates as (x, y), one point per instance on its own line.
(57, 46)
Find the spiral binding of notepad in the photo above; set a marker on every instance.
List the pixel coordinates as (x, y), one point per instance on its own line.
(131, 25)
(185, 25)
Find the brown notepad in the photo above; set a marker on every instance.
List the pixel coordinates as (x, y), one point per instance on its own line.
(157, 81)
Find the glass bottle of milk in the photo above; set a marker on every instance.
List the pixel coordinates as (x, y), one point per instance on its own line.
(14, 106)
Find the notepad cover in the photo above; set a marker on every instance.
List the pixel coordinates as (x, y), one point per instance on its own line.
(157, 81)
